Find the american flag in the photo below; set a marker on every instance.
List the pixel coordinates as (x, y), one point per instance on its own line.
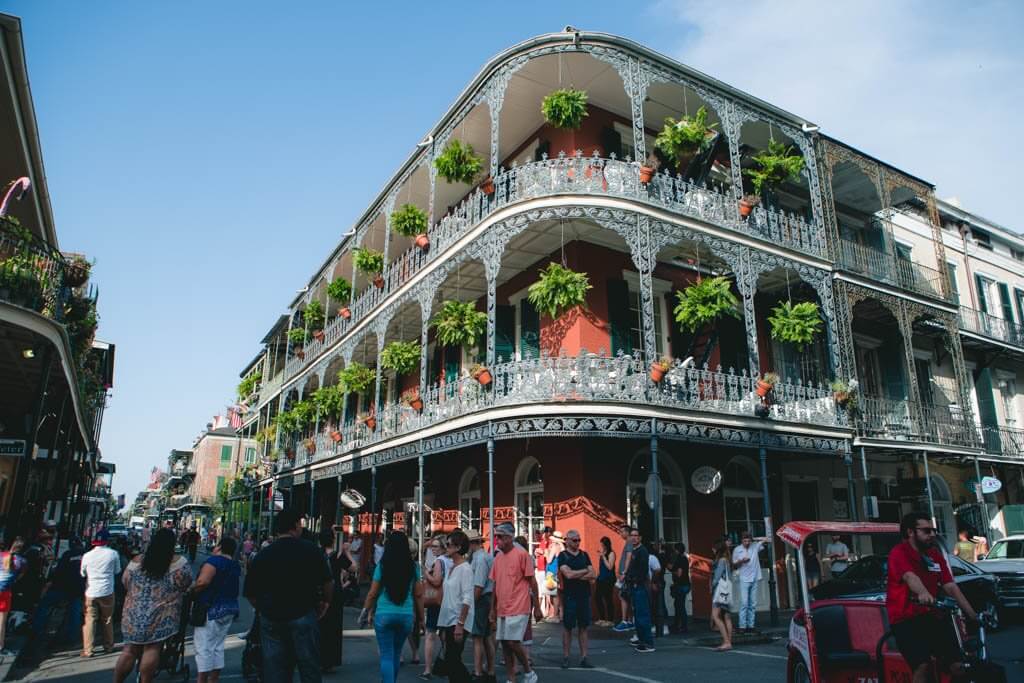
(234, 417)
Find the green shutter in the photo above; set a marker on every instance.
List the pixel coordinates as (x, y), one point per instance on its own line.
(529, 330)
(979, 283)
(986, 401)
(1004, 299)
(220, 485)
(951, 276)
(1019, 296)
(679, 339)
(618, 316)
(225, 455)
(504, 332)
(891, 363)
(452, 361)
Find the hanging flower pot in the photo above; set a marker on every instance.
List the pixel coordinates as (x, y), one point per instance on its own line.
(378, 281)
(423, 241)
(416, 404)
(310, 445)
(345, 312)
(659, 368)
(370, 422)
(766, 384)
(336, 437)
(318, 335)
(77, 272)
(487, 186)
(747, 204)
(646, 174)
(481, 374)
(412, 399)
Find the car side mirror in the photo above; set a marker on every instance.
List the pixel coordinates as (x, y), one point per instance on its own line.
(981, 557)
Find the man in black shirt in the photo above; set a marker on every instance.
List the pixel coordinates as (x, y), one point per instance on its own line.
(577, 573)
(290, 585)
(680, 567)
(66, 585)
(637, 579)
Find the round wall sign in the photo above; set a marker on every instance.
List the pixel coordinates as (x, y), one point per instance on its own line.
(706, 479)
(990, 484)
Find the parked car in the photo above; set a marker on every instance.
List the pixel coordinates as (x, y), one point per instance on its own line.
(865, 580)
(1006, 560)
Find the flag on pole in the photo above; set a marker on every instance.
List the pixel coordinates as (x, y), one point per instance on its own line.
(234, 417)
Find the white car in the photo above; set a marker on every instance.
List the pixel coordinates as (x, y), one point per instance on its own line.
(1006, 560)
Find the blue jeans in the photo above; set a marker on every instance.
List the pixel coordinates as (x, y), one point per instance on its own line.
(642, 614)
(72, 619)
(291, 644)
(748, 603)
(392, 630)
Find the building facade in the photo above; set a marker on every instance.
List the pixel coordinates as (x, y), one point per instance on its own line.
(569, 427)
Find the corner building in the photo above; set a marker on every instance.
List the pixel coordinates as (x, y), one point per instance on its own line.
(572, 426)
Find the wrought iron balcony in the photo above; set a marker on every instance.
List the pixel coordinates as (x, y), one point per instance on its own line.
(1005, 441)
(31, 273)
(585, 379)
(883, 418)
(990, 326)
(888, 268)
(562, 175)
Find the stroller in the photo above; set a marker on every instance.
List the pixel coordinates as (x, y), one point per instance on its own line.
(252, 655)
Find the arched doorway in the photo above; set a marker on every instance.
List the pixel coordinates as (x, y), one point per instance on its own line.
(529, 501)
(469, 500)
(673, 499)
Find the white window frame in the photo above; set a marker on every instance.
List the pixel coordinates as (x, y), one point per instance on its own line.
(466, 494)
(522, 469)
(659, 288)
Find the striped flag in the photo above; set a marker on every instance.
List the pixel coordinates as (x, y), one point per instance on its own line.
(234, 417)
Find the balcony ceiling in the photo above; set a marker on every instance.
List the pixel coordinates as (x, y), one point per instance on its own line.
(20, 379)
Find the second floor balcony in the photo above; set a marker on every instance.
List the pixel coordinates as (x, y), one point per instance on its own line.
(908, 421)
(1004, 441)
(889, 268)
(988, 325)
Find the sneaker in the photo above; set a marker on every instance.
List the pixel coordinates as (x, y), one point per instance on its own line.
(664, 630)
(530, 677)
(584, 664)
(644, 648)
(565, 662)
(634, 640)
(622, 627)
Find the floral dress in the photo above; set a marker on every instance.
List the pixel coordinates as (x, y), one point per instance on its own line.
(152, 608)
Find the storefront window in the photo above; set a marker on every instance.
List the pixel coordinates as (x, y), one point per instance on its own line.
(469, 500)
(529, 501)
(744, 502)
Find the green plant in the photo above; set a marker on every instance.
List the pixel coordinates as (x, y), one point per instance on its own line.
(681, 138)
(664, 363)
(774, 166)
(845, 393)
(458, 163)
(304, 413)
(248, 385)
(796, 323)
(340, 290)
(313, 315)
(297, 336)
(401, 356)
(266, 434)
(565, 108)
(704, 302)
(770, 378)
(368, 261)
(558, 289)
(458, 323)
(409, 221)
(286, 422)
(355, 377)
(328, 402)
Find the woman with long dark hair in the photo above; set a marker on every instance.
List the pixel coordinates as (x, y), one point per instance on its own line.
(155, 584)
(721, 594)
(217, 588)
(394, 603)
(606, 584)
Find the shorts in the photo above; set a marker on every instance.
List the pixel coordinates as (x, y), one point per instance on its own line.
(5, 601)
(922, 637)
(539, 574)
(575, 611)
(209, 643)
(482, 616)
(512, 628)
(432, 614)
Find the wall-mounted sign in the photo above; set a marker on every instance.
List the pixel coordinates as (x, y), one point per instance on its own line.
(990, 484)
(706, 479)
(14, 447)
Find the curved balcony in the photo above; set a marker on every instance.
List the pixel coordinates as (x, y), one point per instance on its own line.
(31, 273)
(586, 379)
(578, 175)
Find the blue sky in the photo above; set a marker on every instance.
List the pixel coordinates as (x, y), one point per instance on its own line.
(209, 155)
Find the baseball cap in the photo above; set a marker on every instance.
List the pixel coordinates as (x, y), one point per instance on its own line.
(475, 537)
(505, 529)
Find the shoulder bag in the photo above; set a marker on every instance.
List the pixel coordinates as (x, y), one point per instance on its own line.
(433, 595)
(723, 590)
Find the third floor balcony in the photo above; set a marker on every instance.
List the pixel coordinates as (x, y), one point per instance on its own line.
(892, 269)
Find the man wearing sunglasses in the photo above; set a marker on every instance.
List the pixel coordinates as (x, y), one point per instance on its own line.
(917, 569)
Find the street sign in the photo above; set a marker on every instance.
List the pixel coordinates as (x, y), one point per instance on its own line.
(15, 447)
(652, 489)
(706, 479)
(990, 485)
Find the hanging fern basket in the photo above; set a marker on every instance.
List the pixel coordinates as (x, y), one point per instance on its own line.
(797, 324)
(704, 302)
(558, 290)
(565, 108)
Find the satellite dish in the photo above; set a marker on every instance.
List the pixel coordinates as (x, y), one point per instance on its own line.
(352, 499)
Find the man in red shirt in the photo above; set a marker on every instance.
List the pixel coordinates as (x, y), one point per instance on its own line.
(917, 569)
(515, 592)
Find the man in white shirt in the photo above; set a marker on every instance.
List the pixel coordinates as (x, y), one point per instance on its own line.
(745, 561)
(100, 566)
(839, 554)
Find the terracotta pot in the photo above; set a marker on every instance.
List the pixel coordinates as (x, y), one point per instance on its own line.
(318, 335)
(336, 437)
(657, 373)
(378, 282)
(841, 398)
(423, 242)
(371, 423)
(763, 388)
(484, 377)
(300, 354)
(310, 446)
(345, 312)
(487, 186)
(416, 404)
(745, 208)
(646, 174)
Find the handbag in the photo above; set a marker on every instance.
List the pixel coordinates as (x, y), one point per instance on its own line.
(432, 595)
(723, 591)
(197, 614)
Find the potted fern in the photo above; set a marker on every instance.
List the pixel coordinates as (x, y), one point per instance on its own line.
(797, 324)
(457, 163)
(680, 140)
(772, 167)
(411, 221)
(297, 337)
(649, 167)
(313, 317)
(370, 262)
(766, 384)
(340, 290)
(845, 393)
(355, 377)
(565, 108)
(558, 290)
(704, 302)
(412, 399)
(458, 323)
(481, 374)
(76, 273)
(659, 368)
(401, 356)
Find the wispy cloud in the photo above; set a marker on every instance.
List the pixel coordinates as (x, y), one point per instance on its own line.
(932, 88)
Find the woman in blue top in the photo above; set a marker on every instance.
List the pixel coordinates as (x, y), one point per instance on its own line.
(394, 603)
(217, 587)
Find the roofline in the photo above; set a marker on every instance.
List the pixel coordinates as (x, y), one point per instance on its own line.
(281, 321)
(986, 224)
(251, 364)
(11, 27)
(877, 160)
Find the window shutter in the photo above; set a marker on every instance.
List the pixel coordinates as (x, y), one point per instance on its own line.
(529, 330)
(618, 316)
(225, 455)
(986, 402)
(504, 332)
(1004, 299)
(352, 401)
(612, 142)
(979, 283)
(452, 361)
(951, 276)
(220, 485)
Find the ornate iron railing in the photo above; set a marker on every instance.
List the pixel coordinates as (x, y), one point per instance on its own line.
(988, 325)
(585, 379)
(898, 420)
(31, 273)
(577, 174)
(1005, 441)
(889, 268)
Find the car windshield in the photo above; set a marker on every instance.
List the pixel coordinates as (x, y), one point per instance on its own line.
(1007, 550)
(865, 570)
